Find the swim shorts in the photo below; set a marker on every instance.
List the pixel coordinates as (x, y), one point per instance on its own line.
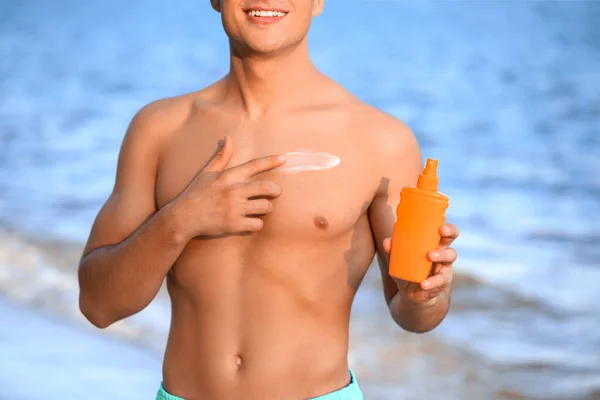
(350, 392)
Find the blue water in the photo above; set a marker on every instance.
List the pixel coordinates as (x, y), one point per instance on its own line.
(67, 363)
(505, 94)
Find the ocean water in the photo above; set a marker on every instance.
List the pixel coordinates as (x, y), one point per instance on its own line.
(505, 94)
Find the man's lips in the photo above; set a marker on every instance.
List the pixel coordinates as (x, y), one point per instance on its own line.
(265, 16)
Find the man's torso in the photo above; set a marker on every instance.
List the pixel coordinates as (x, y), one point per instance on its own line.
(268, 313)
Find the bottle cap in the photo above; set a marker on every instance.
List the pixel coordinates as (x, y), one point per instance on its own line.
(428, 179)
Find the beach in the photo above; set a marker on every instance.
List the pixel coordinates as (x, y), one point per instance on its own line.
(506, 95)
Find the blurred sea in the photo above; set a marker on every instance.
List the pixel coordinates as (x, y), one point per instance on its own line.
(505, 94)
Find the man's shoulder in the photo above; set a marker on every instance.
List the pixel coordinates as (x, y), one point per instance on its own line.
(391, 148)
(157, 121)
(164, 114)
(388, 136)
(170, 113)
(378, 124)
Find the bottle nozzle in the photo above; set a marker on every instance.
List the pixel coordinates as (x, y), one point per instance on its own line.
(428, 178)
(430, 167)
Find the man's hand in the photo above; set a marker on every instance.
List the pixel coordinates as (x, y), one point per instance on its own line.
(221, 200)
(441, 273)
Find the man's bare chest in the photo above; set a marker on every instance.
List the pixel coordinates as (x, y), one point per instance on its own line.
(315, 202)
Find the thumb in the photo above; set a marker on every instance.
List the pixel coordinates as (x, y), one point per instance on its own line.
(221, 159)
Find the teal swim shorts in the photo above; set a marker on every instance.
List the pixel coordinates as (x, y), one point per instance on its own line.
(350, 392)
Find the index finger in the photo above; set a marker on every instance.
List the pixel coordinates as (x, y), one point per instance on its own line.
(448, 233)
(255, 167)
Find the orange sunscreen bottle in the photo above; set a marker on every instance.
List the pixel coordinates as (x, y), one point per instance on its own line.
(420, 214)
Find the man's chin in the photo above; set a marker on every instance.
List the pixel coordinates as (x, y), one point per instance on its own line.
(265, 50)
(261, 50)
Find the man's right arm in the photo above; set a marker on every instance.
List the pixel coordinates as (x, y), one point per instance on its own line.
(132, 245)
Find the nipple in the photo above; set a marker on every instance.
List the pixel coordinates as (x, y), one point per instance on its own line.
(299, 161)
(428, 179)
(320, 222)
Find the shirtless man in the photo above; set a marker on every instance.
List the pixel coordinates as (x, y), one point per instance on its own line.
(261, 265)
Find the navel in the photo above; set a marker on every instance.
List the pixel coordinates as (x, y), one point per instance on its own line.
(320, 222)
(237, 361)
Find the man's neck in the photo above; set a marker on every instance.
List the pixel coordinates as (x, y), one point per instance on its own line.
(262, 84)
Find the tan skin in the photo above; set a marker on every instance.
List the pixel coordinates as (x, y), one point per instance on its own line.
(261, 266)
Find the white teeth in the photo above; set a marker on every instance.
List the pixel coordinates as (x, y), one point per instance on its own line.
(263, 13)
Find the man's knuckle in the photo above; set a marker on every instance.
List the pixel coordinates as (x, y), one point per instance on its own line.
(455, 231)
(259, 164)
(223, 177)
(229, 195)
(233, 224)
(453, 253)
(228, 218)
(265, 186)
(267, 205)
(276, 188)
(231, 215)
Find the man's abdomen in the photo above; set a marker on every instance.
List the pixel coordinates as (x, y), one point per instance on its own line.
(241, 328)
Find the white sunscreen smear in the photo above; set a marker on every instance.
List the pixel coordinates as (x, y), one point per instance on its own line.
(300, 161)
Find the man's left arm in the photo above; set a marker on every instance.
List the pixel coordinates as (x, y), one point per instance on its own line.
(415, 307)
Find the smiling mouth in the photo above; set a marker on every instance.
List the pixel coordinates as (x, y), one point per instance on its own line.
(264, 16)
(266, 13)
